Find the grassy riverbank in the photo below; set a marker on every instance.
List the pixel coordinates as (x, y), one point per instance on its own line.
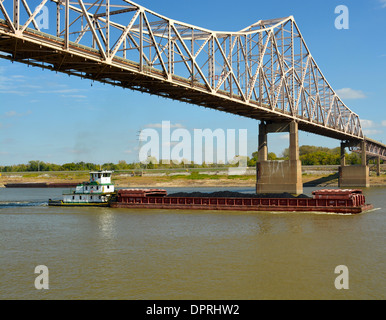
(178, 179)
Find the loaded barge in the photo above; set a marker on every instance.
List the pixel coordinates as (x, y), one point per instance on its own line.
(334, 201)
(99, 191)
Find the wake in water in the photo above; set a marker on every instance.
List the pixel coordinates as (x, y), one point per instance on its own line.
(14, 204)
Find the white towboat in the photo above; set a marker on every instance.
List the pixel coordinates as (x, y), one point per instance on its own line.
(96, 192)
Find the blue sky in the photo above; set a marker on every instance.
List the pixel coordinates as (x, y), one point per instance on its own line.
(56, 118)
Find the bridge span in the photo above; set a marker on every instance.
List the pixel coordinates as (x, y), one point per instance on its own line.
(264, 72)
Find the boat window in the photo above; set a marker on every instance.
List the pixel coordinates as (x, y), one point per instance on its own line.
(91, 197)
(80, 197)
(73, 197)
(100, 197)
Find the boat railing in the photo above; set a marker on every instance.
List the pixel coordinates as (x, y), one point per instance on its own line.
(91, 192)
(68, 191)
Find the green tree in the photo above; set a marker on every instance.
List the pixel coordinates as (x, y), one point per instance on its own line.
(353, 158)
(272, 156)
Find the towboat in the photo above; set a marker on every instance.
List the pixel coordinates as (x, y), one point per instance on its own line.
(98, 191)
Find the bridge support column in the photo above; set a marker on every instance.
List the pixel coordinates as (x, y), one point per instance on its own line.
(279, 176)
(263, 142)
(342, 154)
(378, 166)
(355, 175)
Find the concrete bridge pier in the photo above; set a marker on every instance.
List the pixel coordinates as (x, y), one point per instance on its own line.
(355, 175)
(378, 166)
(279, 176)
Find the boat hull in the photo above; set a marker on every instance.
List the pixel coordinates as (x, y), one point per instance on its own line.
(60, 203)
(342, 206)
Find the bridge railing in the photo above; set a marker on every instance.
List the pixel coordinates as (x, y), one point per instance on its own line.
(375, 148)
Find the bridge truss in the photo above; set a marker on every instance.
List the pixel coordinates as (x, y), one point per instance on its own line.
(264, 71)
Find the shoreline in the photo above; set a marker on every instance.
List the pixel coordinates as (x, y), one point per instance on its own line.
(123, 181)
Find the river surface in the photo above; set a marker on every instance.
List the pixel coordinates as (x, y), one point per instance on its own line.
(103, 253)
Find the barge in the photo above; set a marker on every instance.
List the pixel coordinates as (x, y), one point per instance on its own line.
(350, 201)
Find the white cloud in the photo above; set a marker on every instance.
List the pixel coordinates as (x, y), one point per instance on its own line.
(367, 123)
(383, 3)
(18, 76)
(60, 91)
(17, 84)
(350, 94)
(372, 131)
(176, 125)
(75, 96)
(13, 113)
(132, 150)
(370, 127)
(154, 125)
(284, 136)
(159, 125)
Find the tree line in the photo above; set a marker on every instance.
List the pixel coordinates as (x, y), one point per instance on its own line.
(309, 155)
(313, 156)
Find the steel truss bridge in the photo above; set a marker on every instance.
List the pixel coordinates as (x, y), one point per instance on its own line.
(264, 71)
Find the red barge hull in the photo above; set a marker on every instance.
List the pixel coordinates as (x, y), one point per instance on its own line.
(333, 201)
